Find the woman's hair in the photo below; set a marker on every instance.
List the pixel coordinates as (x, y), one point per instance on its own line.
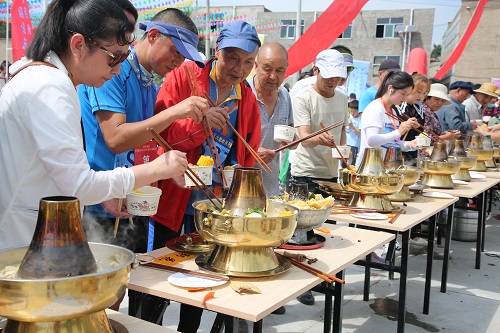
(398, 80)
(99, 20)
(420, 81)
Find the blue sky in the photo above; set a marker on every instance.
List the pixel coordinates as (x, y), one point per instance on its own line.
(445, 9)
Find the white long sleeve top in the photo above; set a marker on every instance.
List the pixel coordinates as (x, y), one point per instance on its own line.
(41, 149)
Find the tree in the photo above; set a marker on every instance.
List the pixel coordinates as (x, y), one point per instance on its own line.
(436, 51)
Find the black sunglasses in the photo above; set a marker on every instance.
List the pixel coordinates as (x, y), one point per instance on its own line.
(118, 57)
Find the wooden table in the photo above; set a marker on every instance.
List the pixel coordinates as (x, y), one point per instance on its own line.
(343, 247)
(474, 188)
(417, 210)
(134, 325)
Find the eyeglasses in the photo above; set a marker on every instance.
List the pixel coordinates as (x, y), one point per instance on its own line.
(117, 57)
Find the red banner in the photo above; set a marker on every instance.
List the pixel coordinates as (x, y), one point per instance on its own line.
(457, 52)
(322, 33)
(22, 29)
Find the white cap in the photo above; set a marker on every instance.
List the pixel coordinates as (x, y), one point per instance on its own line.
(331, 64)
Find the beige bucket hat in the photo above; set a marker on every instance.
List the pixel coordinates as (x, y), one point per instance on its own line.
(489, 89)
(440, 91)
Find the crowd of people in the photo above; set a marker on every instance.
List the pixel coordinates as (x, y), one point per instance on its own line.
(58, 140)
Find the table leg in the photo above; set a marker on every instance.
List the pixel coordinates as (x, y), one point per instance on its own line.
(218, 324)
(257, 326)
(483, 238)
(403, 280)
(447, 243)
(338, 304)
(480, 222)
(366, 289)
(428, 270)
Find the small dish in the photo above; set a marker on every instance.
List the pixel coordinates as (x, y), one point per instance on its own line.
(192, 243)
(459, 182)
(370, 216)
(476, 175)
(193, 281)
(439, 195)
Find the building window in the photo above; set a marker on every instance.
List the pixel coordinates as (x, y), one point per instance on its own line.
(377, 60)
(347, 32)
(386, 27)
(288, 29)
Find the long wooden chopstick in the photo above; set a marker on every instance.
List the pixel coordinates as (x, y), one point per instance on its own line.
(193, 86)
(185, 271)
(402, 120)
(249, 148)
(117, 219)
(393, 219)
(293, 143)
(189, 172)
(316, 272)
(426, 129)
(338, 151)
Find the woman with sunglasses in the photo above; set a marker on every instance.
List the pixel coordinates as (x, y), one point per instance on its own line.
(41, 141)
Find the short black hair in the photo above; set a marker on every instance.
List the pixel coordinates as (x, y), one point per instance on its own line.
(352, 95)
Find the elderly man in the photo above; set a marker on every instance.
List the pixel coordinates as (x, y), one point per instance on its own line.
(223, 79)
(452, 116)
(368, 95)
(275, 106)
(317, 105)
(487, 93)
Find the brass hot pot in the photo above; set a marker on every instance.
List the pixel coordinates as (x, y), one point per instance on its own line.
(244, 245)
(70, 304)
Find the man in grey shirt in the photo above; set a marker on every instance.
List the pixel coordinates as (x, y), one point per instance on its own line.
(275, 106)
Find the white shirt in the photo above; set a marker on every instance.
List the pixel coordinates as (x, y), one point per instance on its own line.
(377, 129)
(312, 109)
(42, 152)
(472, 109)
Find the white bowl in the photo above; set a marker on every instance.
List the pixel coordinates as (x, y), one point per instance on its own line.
(284, 133)
(228, 174)
(344, 150)
(479, 122)
(143, 201)
(423, 141)
(486, 118)
(203, 172)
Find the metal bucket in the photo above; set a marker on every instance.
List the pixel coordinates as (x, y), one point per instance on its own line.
(465, 225)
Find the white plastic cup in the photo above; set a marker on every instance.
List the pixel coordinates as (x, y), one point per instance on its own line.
(228, 174)
(344, 150)
(203, 172)
(143, 201)
(486, 119)
(284, 133)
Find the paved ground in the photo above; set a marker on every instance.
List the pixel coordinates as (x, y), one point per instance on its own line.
(471, 303)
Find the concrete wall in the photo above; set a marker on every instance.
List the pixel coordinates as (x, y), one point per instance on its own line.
(479, 61)
(363, 43)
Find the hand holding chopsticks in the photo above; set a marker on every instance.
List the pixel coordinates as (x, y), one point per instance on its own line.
(323, 130)
(189, 172)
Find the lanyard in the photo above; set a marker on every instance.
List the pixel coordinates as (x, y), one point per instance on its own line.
(392, 119)
(144, 82)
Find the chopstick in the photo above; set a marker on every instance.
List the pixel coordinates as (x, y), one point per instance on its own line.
(117, 219)
(338, 150)
(401, 120)
(249, 148)
(426, 129)
(316, 272)
(401, 211)
(189, 172)
(327, 128)
(193, 85)
(185, 271)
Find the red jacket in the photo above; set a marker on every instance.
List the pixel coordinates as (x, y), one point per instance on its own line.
(186, 136)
